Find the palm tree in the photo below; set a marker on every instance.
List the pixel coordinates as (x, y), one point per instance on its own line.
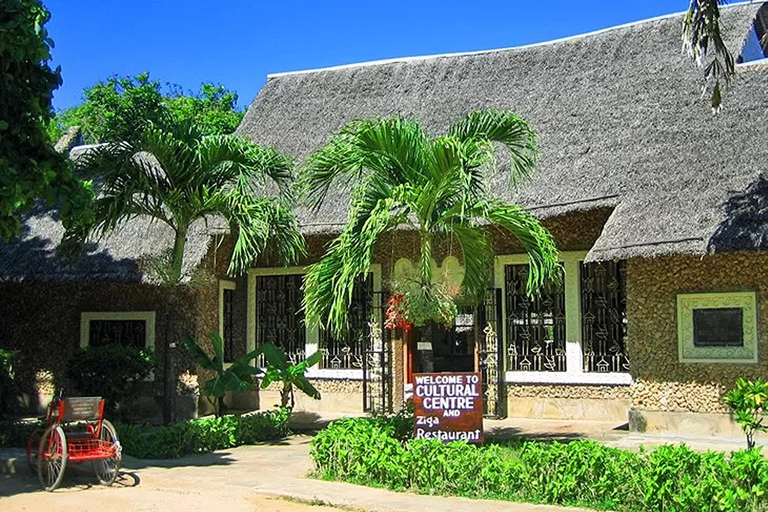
(435, 187)
(704, 44)
(175, 176)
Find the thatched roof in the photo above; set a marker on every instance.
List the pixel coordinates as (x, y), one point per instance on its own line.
(129, 254)
(619, 114)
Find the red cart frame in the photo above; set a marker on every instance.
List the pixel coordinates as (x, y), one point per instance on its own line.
(88, 437)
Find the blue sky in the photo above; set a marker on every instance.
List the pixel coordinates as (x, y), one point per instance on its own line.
(237, 43)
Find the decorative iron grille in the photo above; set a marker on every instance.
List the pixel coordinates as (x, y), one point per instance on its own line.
(348, 352)
(377, 365)
(130, 333)
(490, 354)
(279, 316)
(535, 325)
(229, 325)
(603, 317)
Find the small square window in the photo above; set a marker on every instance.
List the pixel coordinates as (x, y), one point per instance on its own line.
(717, 327)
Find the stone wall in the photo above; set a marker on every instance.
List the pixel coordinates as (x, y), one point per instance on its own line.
(661, 382)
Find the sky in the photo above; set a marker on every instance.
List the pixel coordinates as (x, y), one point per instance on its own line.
(238, 42)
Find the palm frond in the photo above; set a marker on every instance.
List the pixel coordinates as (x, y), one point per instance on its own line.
(477, 256)
(533, 236)
(505, 127)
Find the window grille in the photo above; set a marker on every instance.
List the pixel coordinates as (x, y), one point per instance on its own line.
(130, 333)
(348, 352)
(535, 326)
(228, 324)
(279, 315)
(604, 317)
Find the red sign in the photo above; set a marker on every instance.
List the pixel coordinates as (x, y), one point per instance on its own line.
(448, 406)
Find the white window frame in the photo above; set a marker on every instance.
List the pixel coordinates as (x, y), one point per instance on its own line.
(224, 285)
(574, 354)
(147, 316)
(312, 333)
(688, 353)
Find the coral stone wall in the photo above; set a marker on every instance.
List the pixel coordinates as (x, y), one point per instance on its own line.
(568, 391)
(661, 382)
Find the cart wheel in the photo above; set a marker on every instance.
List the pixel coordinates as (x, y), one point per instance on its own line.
(52, 458)
(107, 469)
(33, 445)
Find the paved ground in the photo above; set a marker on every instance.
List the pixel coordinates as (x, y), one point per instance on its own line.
(261, 477)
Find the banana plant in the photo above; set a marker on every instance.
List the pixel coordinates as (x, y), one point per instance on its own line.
(279, 369)
(239, 376)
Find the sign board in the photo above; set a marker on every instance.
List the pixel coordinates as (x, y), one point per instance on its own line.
(448, 406)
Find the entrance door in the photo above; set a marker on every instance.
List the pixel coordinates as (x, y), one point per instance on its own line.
(446, 349)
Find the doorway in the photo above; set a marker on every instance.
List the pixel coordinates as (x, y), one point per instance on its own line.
(439, 348)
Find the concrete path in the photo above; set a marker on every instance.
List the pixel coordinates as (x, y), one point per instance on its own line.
(231, 480)
(239, 479)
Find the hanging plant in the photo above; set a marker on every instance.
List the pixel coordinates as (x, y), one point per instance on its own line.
(415, 304)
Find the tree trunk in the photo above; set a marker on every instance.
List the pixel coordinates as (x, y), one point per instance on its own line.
(177, 257)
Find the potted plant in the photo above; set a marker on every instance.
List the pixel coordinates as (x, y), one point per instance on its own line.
(188, 395)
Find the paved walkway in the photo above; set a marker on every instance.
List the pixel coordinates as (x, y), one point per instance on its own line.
(239, 479)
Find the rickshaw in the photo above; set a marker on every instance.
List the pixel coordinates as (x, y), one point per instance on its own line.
(75, 432)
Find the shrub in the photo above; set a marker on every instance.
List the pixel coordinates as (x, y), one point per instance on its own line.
(582, 473)
(7, 386)
(14, 434)
(749, 404)
(203, 435)
(110, 371)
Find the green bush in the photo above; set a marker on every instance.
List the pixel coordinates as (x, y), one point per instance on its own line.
(14, 434)
(110, 371)
(581, 473)
(204, 435)
(749, 404)
(7, 385)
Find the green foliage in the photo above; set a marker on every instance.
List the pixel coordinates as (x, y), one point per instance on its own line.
(118, 107)
(110, 371)
(14, 434)
(435, 187)
(749, 404)
(29, 166)
(236, 377)
(7, 384)
(188, 178)
(580, 473)
(203, 435)
(280, 370)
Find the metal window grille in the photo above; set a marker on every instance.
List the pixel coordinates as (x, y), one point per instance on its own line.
(229, 325)
(279, 316)
(604, 317)
(348, 352)
(131, 333)
(535, 325)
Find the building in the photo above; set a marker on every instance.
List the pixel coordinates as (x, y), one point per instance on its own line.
(660, 210)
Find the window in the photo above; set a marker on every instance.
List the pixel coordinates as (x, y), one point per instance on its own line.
(348, 353)
(572, 333)
(130, 328)
(279, 315)
(604, 316)
(227, 318)
(717, 327)
(535, 325)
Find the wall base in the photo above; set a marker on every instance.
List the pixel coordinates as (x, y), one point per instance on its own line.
(568, 408)
(690, 424)
(330, 402)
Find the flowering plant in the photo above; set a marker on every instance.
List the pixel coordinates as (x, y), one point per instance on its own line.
(414, 304)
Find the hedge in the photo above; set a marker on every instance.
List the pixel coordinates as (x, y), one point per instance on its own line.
(204, 435)
(578, 473)
(179, 439)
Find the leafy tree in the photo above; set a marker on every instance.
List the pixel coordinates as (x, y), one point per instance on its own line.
(436, 187)
(236, 377)
(175, 176)
(29, 166)
(118, 107)
(749, 403)
(291, 375)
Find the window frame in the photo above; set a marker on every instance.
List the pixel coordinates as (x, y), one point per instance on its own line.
(312, 333)
(687, 352)
(574, 373)
(224, 284)
(148, 317)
